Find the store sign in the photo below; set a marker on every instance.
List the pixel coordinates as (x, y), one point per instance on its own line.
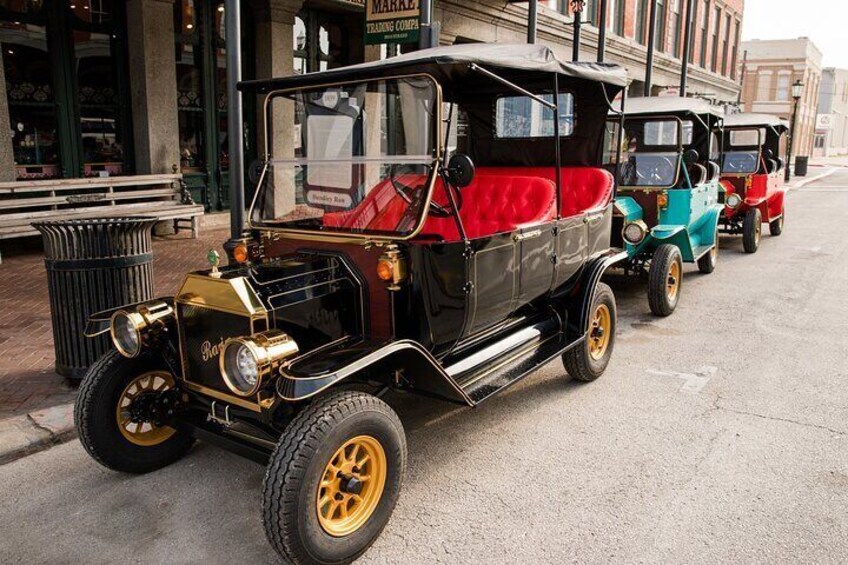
(392, 21)
(824, 122)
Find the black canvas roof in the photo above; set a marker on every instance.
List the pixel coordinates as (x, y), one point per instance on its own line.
(452, 63)
(755, 120)
(670, 105)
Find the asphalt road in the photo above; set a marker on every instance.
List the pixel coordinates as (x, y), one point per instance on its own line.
(718, 435)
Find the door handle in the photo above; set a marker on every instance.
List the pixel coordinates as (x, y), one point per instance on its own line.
(593, 217)
(527, 235)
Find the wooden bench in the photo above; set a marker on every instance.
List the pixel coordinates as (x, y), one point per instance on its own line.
(161, 196)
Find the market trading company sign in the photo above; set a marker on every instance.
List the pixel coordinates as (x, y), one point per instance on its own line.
(392, 21)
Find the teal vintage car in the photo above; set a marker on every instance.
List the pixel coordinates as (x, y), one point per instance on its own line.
(667, 204)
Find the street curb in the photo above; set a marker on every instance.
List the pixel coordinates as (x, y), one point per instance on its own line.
(807, 181)
(39, 430)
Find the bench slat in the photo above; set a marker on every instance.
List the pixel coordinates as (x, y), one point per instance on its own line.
(136, 209)
(15, 187)
(105, 197)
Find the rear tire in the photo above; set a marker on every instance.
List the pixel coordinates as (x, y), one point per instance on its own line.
(96, 416)
(588, 360)
(776, 226)
(665, 280)
(752, 227)
(308, 512)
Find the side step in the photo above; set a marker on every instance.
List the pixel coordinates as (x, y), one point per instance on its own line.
(491, 379)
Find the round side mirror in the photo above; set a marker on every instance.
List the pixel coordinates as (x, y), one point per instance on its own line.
(460, 170)
(690, 156)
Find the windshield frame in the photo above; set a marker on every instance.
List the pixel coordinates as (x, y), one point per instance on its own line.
(340, 236)
(679, 151)
(728, 147)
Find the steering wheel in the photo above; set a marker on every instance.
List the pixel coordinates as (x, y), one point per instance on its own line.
(404, 190)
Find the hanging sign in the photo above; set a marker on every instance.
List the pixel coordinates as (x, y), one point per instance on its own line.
(392, 21)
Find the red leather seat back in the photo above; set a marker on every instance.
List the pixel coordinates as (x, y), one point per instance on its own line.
(495, 203)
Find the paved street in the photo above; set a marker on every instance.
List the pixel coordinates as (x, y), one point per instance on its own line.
(718, 435)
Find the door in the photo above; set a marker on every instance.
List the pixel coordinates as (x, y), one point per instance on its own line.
(493, 275)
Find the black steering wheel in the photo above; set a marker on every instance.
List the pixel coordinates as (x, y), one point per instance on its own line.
(405, 190)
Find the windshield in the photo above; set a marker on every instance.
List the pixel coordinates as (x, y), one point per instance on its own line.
(743, 162)
(354, 159)
(650, 152)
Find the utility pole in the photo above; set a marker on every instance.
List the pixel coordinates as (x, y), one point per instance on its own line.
(687, 46)
(652, 32)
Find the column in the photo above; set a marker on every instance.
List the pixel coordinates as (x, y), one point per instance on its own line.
(153, 85)
(275, 41)
(7, 156)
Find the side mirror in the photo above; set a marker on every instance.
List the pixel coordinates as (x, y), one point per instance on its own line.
(460, 170)
(690, 156)
(769, 154)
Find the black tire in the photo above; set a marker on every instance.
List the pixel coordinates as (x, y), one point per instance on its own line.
(666, 264)
(580, 361)
(776, 226)
(752, 227)
(291, 485)
(707, 261)
(96, 421)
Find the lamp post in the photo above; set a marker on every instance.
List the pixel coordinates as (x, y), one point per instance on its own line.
(797, 90)
(577, 13)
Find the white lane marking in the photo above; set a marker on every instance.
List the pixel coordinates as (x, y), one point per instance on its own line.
(692, 382)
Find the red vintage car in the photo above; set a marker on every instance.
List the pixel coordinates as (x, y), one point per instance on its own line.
(752, 176)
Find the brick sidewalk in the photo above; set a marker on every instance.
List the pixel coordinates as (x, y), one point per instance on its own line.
(27, 380)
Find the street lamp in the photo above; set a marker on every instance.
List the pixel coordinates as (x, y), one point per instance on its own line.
(797, 90)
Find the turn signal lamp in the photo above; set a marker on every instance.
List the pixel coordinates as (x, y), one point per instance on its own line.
(385, 269)
(391, 267)
(240, 254)
(662, 200)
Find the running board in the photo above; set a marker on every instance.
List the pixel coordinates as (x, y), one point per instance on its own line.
(515, 367)
(700, 251)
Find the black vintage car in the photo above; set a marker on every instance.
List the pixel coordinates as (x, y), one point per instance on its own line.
(435, 223)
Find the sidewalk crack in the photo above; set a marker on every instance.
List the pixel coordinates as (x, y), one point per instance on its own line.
(778, 419)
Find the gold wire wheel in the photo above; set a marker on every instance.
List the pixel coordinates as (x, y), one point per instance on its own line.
(143, 433)
(351, 486)
(672, 284)
(599, 332)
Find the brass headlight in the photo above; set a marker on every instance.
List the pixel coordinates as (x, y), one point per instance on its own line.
(131, 330)
(246, 361)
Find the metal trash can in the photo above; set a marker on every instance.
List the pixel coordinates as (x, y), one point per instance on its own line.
(93, 265)
(801, 163)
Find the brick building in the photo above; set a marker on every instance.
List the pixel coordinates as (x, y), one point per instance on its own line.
(123, 87)
(770, 68)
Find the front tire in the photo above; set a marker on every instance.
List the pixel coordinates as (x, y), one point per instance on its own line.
(665, 279)
(103, 422)
(752, 228)
(334, 478)
(589, 359)
(776, 226)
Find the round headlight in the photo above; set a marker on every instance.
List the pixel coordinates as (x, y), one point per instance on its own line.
(125, 333)
(734, 200)
(634, 233)
(240, 368)
(246, 361)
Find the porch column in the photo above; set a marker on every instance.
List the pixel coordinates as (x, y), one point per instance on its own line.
(153, 85)
(275, 41)
(7, 156)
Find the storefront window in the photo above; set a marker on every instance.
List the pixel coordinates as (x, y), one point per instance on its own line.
(189, 88)
(320, 42)
(32, 110)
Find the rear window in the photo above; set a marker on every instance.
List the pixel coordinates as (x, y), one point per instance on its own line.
(664, 133)
(746, 137)
(523, 117)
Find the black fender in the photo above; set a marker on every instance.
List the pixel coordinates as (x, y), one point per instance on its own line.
(403, 364)
(578, 302)
(101, 322)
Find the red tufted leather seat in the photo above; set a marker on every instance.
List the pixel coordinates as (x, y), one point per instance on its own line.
(500, 199)
(496, 203)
